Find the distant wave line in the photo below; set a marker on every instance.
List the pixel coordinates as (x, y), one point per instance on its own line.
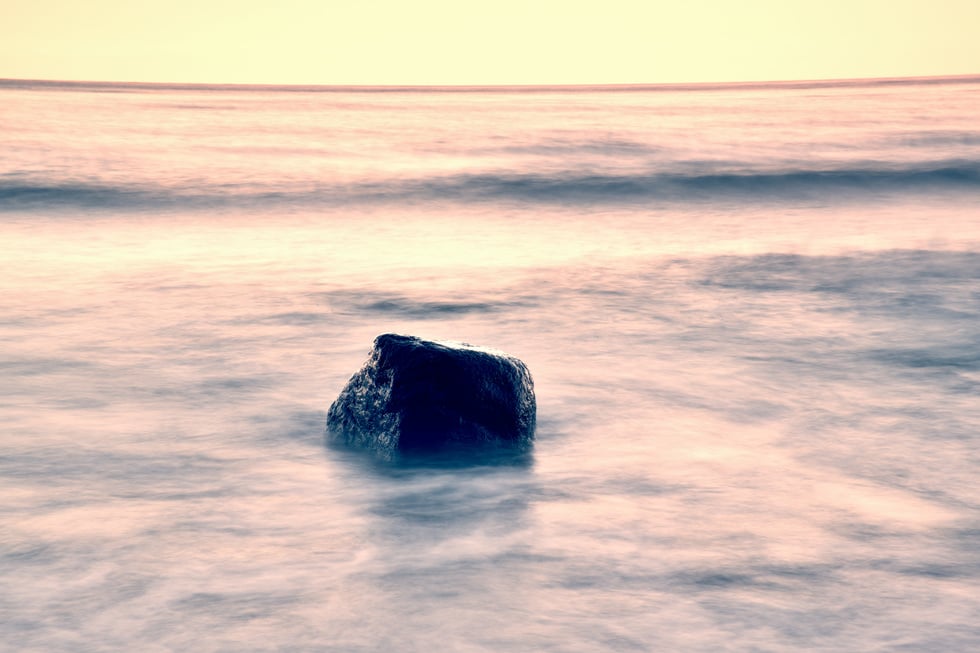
(530, 188)
(130, 86)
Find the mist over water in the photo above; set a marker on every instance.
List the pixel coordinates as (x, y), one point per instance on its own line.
(752, 316)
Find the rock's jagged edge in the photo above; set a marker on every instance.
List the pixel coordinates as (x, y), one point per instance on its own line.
(415, 395)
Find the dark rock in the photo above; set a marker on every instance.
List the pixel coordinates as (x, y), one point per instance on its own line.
(415, 396)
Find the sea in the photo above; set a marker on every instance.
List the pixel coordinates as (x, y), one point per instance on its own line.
(751, 312)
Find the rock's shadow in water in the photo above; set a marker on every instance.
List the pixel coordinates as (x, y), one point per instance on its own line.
(445, 458)
(431, 499)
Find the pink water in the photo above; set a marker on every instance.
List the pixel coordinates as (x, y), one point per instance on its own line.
(751, 316)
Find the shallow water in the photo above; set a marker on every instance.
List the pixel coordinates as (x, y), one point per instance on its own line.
(752, 316)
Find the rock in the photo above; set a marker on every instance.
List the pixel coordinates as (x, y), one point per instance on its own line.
(415, 396)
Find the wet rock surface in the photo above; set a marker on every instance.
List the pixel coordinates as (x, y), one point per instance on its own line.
(415, 396)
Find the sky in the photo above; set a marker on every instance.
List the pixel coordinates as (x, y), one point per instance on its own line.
(449, 42)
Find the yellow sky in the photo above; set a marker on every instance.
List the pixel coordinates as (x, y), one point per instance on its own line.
(498, 42)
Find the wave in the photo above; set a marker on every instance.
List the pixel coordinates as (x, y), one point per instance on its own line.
(39, 194)
(675, 186)
(560, 187)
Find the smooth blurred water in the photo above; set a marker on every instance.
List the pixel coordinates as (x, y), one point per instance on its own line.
(752, 315)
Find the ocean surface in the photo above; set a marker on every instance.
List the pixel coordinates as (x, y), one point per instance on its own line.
(752, 314)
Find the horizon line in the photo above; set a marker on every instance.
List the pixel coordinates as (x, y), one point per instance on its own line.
(463, 88)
